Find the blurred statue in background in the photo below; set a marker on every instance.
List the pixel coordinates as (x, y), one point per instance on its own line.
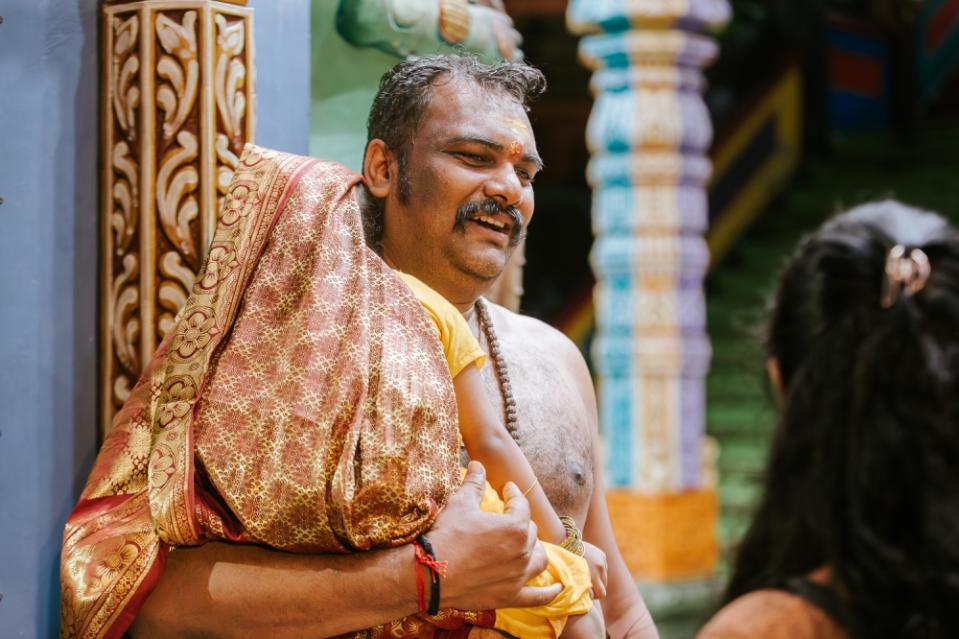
(420, 27)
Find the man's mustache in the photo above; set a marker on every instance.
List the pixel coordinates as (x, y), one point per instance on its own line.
(490, 206)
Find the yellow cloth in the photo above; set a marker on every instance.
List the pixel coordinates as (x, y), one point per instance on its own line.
(459, 345)
(564, 567)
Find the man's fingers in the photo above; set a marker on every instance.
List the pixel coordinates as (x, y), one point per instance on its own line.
(516, 506)
(474, 483)
(532, 536)
(530, 596)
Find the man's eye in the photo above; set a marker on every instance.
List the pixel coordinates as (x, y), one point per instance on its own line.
(524, 175)
(473, 158)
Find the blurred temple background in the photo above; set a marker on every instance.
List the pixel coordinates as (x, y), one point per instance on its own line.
(815, 106)
(687, 147)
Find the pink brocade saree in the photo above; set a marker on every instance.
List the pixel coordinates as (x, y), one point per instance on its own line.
(301, 401)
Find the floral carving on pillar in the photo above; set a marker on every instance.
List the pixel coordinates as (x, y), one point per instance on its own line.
(179, 68)
(229, 83)
(123, 205)
(178, 71)
(177, 110)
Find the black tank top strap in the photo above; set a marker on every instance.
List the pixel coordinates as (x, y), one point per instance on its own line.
(823, 598)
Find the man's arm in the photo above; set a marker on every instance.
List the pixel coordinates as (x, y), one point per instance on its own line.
(224, 590)
(220, 590)
(626, 614)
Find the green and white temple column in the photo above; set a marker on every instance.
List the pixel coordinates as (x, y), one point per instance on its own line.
(649, 134)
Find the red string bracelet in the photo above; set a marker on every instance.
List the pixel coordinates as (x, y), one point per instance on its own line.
(420, 587)
(425, 557)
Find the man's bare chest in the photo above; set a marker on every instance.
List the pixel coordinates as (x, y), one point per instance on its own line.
(552, 426)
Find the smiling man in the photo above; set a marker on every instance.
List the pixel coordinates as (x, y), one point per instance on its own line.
(467, 149)
(446, 194)
(449, 171)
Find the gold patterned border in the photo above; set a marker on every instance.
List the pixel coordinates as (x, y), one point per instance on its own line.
(254, 197)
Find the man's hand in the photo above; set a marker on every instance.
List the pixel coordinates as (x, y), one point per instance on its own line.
(490, 556)
(596, 560)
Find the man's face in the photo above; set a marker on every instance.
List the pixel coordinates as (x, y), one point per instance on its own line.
(469, 169)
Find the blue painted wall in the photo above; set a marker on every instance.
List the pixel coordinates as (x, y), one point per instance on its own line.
(281, 30)
(48, 266)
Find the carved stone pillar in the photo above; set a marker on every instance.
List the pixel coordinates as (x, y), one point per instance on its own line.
(648, 134)
(178, 103)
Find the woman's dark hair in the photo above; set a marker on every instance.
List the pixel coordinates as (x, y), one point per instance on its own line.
(405, 92)
(863, 474)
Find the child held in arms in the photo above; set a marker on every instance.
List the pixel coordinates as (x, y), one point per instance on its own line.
(488, 441)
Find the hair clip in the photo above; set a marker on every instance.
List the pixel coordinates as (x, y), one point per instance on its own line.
(909, 271)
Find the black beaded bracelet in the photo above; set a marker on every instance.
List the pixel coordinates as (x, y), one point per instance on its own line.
(434, 606)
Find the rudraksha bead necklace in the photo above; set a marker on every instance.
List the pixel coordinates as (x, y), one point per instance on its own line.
(499, 365)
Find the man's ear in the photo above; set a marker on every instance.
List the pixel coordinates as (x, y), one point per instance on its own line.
(379, 168)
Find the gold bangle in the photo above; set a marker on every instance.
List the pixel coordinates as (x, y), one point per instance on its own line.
(574, 538)
(531, 486)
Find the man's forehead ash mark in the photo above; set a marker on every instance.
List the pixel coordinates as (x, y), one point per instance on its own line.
(516, 125)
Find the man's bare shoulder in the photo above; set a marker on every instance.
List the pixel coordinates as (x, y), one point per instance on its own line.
(523, 329)
(770, 614)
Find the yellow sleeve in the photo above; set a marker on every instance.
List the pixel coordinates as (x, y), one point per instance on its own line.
(546, 622)
(459, 345)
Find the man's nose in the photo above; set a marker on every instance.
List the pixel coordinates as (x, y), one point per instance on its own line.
(504, 186)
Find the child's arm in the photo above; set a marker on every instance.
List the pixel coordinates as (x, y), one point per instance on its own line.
(488, 441)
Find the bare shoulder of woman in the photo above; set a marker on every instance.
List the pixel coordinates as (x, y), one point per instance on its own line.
(771, 614)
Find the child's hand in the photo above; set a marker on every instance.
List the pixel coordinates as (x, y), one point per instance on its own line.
(596, 559)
